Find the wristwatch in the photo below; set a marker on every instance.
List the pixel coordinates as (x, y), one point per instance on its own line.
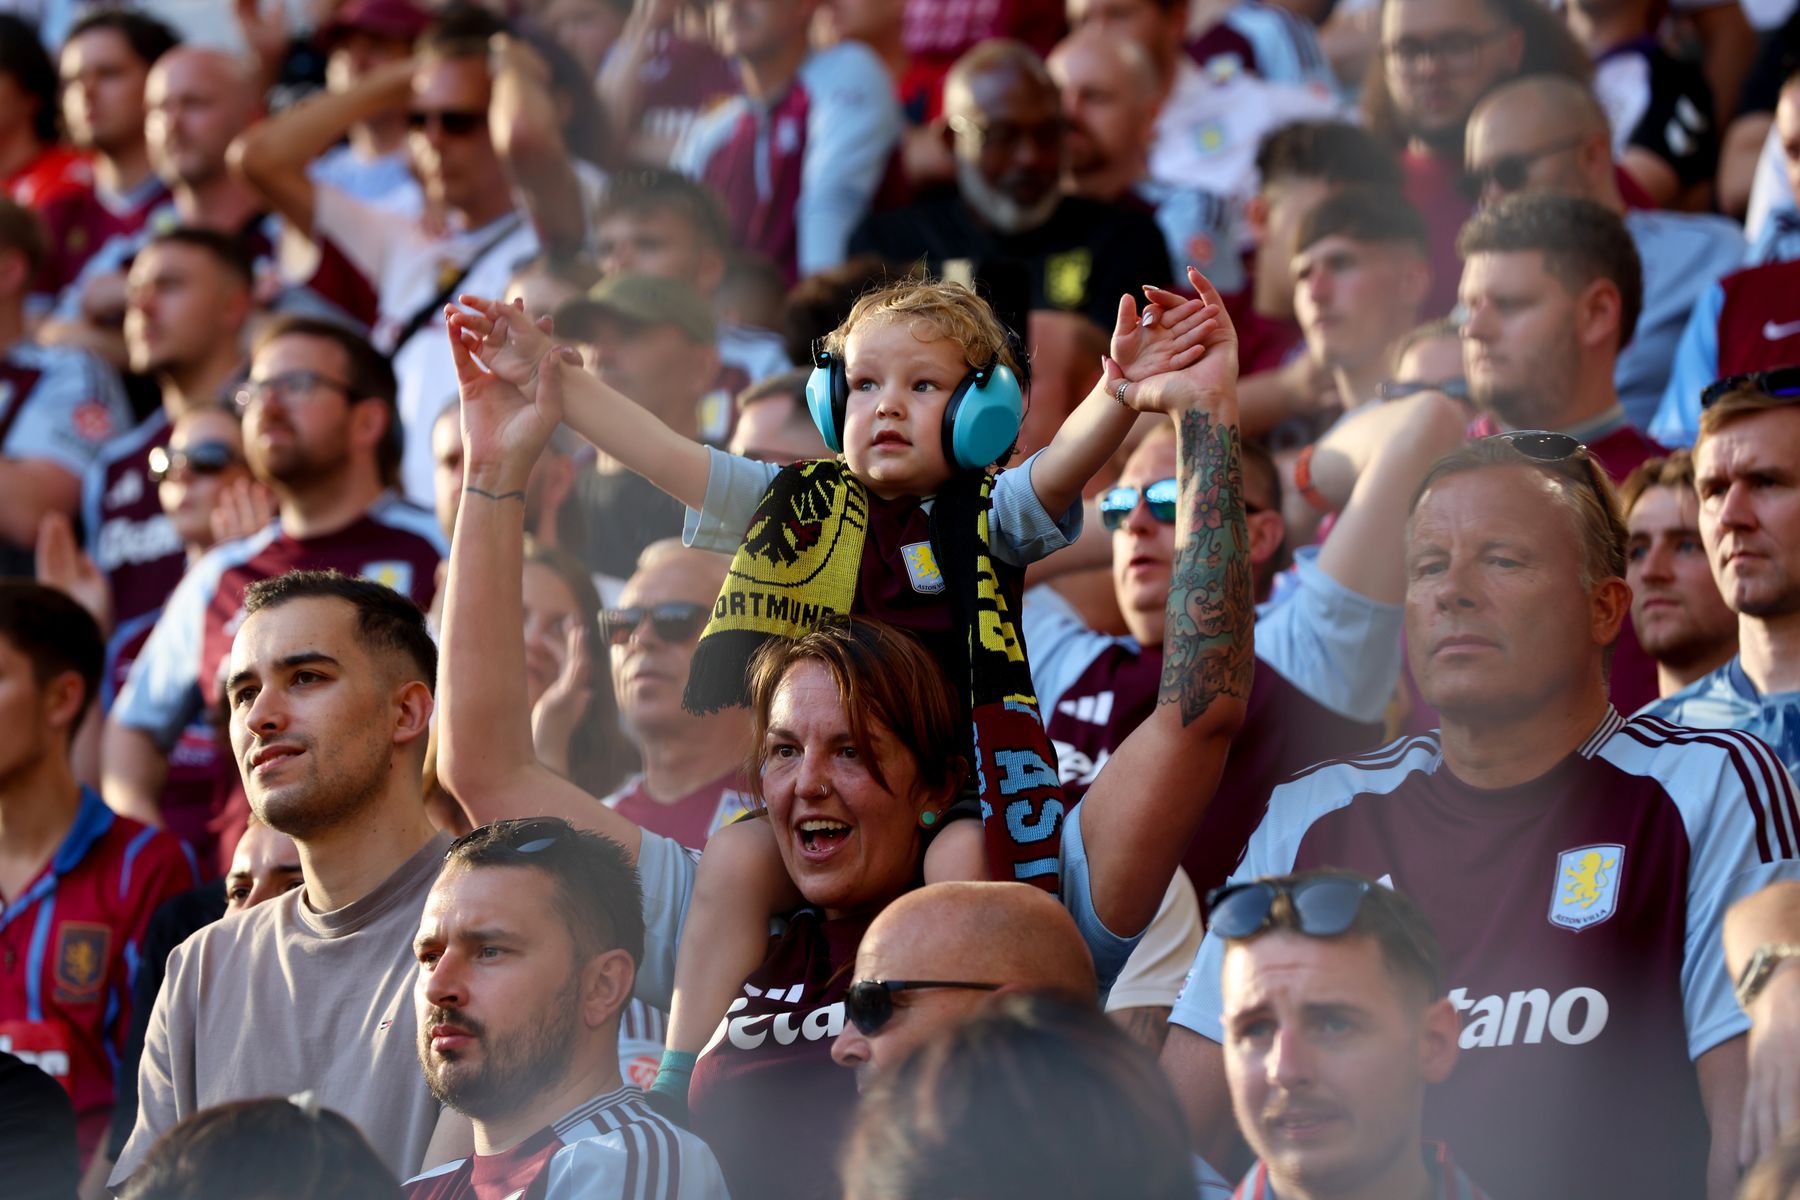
(1761, 966)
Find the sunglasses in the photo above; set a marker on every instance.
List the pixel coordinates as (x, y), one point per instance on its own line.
(1509, 172)
(671, 622)
(454, 122)
(1547, 446)
(1400, 389)
(201, 458)
(522, 835)
(870, 1002)
(1322, 907)
(1118, 503)
(1780, 383)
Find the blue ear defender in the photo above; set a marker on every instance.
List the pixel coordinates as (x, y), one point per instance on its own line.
(981, 418)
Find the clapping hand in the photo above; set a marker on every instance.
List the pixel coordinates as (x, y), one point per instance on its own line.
(1177, 352)
(509, 375)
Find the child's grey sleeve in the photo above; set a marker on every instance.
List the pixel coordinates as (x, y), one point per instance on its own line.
(1020, 529)
(734, 487)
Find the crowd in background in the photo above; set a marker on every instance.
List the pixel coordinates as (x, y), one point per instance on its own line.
(1344, 750)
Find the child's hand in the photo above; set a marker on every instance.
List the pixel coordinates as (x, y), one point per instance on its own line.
(504, 427)
(1176, 353)
(506, 341)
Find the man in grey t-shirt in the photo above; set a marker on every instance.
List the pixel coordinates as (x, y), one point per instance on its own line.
(330, 689)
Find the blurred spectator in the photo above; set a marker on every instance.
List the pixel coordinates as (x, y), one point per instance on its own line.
(549, 517)
(660, 77)
(280, 1149)
(1008, 209)
(1299, 165)
(662, 223)
(103, 66)
(1749, 434)
(36, 167)
(188, 299)
(1335, 1022)
(544, 283)
(587, 29)
(330, 693)
(408, 267)
(80, 881)
(1762, 943)
(1660, 107)
(1676, 609)
(1209, 125)
(774, 423)
(798, 156)
(652, 339)
(1742, 147)
(962, 1117)
(372, 163)
(819, 303)
(1109, 100)
(198, 100)
(938, 32)
(37, 1132)
(1438, 58)
(1747, 321)
(1268, 40)
(1548, 134)
(1589, 969)
(526, 1045)
(58, 405)
(320, 431)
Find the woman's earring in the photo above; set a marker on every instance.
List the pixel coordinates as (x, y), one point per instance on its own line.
(927, 819)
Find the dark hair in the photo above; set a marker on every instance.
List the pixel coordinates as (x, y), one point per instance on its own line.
(1363, 214)
(1409, 946)
(881, 675)
(964, 1115)
(371, 378)
(461, 30)
(1676, 470)
(1581, 242)
(600, 755)
(821, 302)
(271, 1148)
(148, 37)
(585, 131)
(37, 1133)
(387, 623)
(22, 231)
(652, 189)
(1334, 152)
(228, 251)
(597, 887)
(53, 633)
(789, 385)
(24, 59)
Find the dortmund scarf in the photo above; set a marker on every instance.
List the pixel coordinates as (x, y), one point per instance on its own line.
(797, 568)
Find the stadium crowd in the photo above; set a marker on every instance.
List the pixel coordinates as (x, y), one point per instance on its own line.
(900, 599)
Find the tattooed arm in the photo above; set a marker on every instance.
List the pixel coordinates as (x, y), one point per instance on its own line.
(1143, 809)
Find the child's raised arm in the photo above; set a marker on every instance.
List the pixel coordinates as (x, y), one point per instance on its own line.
(513, 347)
(1172, 334)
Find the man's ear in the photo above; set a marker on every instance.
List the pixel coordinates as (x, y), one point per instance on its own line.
(65, 699)
(606, 983)
(412, 714)
(1612, 603)
(1256, 217)
(1267, 531)
(1439, 1029)
(369, 421)
(1599, 309)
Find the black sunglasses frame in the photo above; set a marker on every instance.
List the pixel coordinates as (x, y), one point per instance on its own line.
(522, 835)
(454, 122)
(1509, 171)
(1781, 383)
(201, 458)
(869, 1003)
(674, 622)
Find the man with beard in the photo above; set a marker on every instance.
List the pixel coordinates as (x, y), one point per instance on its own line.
(1682, 621)
(320, 429)
(329, 688)
(1008, 135)
(518, 1020)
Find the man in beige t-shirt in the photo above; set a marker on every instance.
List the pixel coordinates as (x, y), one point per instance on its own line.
(330, 689)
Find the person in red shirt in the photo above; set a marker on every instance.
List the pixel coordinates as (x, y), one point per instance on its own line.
(35, 166)
(78, 882)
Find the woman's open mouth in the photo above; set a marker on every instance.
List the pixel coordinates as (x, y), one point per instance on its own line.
(820, 837)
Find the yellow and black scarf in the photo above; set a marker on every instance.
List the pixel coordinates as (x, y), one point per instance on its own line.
(798, 568)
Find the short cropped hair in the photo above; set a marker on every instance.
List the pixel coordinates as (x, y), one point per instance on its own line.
(1333, 152)
(1364, 214)
(964, 1116)
(1675, 470)
(645, 190)
(1587, 495)
(22, 232)
(148, 37)
(1409, 946)
(1740, 402)
(819, 303)
(53, 633)
(597, 888)
(950, 309)
(229, 252)
(789, 385)
(266, 1147)
(882, 675)
(1581, 242)
(461, 30)
(24, 60)
(371, 377)
(1431, 331)
(388, 624)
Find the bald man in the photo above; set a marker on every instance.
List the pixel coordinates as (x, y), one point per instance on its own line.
(1110, 101)
(1549, 134)
(1007, 211)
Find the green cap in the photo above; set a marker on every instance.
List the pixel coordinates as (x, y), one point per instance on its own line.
(642, 300)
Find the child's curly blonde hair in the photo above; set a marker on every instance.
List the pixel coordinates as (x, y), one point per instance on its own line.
(951, 310)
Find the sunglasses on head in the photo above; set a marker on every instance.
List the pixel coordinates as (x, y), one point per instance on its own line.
(1322, 907)
(1399, 389)
(679, 622)
(1118, 503)
(1509, 172)
(201, 458)
(870, 1002)
(524, 835)
(1780, 383)
(454, 122)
